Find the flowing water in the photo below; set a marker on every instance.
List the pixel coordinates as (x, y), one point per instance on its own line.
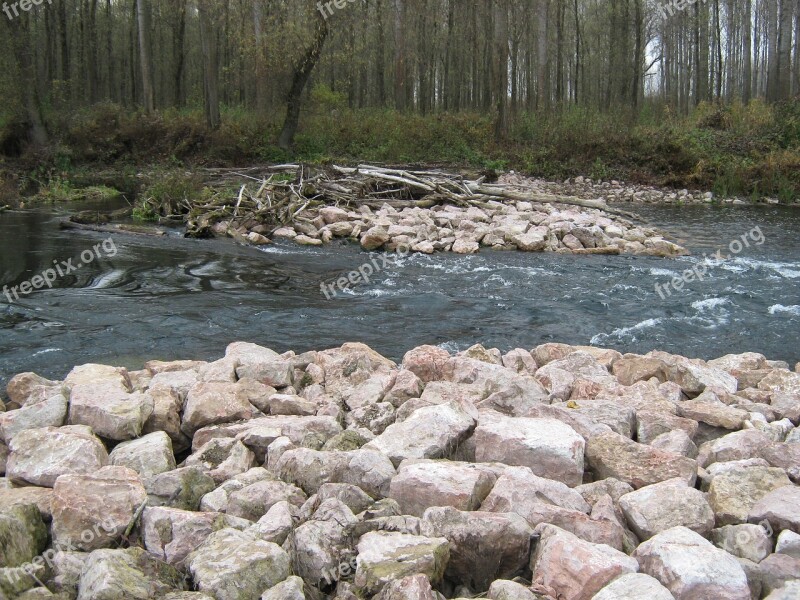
(169, 298)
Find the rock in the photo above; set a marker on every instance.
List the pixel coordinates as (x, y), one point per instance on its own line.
(253, 501)
(111, 412)
(217, 500)
(67, 568)
(40, 456)
(676, 442)
(432, 432)
(716, 415)
(733, 446)
(222, 459)
(23, 535)
(779, 508)
(518, 490)
(788, 543)
(420, 485)
(305, 240)
(651, 424)
(529, 242)
(414, 587)
(406, 386)
(441, 392)
(92, 374)
(385, 557)
(483, 546)
(750, 542)
(375, 418)
(547, 353)
(29, 388)
(374, 238)
(790, 591)
(661, 506)
(309, 469)
(777, 570)
(548, 447)
(276, 525)
(286, 404)
(131, 573)
(148, 456)
(689, 566)
(733, 494)
(166, 416)
(346, 441)
(634, 586)
(620, 419)
(509, 590)
(212, 404)
(630, 369)
(291, 589)
(321, 544)
(613, 455)
(171, 534)
(234, 565)
(614, 488)
(182, 488)
(48, 413)
(350, 495)
(573, 568)
(463, 246)
(521, 361)
(427, 362)
(93, 511)
(22, 496)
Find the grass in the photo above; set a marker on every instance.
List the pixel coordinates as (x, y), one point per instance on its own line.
(750, 151)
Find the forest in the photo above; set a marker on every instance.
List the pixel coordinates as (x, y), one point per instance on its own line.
(676, 93)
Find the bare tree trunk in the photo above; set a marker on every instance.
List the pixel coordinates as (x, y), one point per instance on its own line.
(773, 62)
(208, 42)
(23, 47)
(148, 89)
(785, 50)
(500, 67)
(178, 54)
(400, 64)
(302, 72)
(543, 79)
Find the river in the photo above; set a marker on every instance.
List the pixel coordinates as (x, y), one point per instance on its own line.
(168, 298)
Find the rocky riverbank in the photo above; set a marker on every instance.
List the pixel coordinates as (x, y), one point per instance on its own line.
(558, 473)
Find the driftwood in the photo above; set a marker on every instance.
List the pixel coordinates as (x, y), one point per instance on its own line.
(118, 228)
(281, 194)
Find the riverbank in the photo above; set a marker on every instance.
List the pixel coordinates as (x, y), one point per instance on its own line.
(304, 475)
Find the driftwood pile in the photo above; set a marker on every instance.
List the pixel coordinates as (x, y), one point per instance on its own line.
(277, 200)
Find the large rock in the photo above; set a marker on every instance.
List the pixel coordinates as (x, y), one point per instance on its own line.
(548, 447)
(98, 374)
(131, 573)
(634, 586)
(651, 424)
(483, 546)
(733, 494)
(748, 541)
(384, 557)
(48, 413)
(182, 488)
(738, 445)
(291, 589)
(777, 570)
(222, 459)
(40, 456)
(661, 506)
(519, 491)
(148, 456)
(22, 534)
(93, 511)
(715, 414)
(413, 587)
(171, 534)
(420, 485)
(779, 508)
(432, 432)
(309, 469)
(212, 404)
(351, 366)
(19, 496)
(614, 455)
(429, 363)
(236, 565)
(574, 568)
(259, 433)
(691, 567)
(110, 411)
(166, 416)
(29, 388)
(322, 543)
(254, 501)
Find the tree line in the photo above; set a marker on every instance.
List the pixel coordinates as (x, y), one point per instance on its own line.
(500, 57)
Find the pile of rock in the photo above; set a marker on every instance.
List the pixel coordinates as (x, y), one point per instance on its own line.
(524, 226)
(558, 473)
(618, 191)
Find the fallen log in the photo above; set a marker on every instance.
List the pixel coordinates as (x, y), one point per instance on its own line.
(118, 228)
